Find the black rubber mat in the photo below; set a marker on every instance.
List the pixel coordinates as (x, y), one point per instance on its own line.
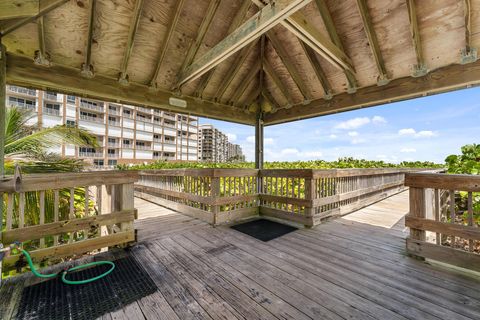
(53, 299)
(264, 230)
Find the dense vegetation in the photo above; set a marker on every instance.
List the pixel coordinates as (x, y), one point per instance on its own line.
(341, 163)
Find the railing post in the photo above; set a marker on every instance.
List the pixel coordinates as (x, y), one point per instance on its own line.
(310, 195)
(417, 209)
(125, 195)
(215, 195)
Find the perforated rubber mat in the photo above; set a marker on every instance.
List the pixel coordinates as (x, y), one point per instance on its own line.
(264, 230)
(53, 299)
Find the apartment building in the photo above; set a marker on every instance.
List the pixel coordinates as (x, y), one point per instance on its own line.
(213, 146)
(126, 134)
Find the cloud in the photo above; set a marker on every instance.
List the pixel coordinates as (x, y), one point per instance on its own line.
(232, 137)
(378, 120)
(420, 134)
(358, 141)
(266, 141)
(353, 123)
(353, 133)
(408, 150)
(313, 154)
(332, 136)
(289, 151)
(251, 139)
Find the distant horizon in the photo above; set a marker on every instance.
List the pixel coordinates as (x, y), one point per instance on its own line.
(422, 129)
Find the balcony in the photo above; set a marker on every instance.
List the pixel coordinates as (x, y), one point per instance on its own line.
(51, 97)
(91, 119)
(144, 110)
(52, 112)
(114, 123)
(91, 106)
(22, 105)
(114, 112)
(146, 147)
(21, 90)
(112, 155)
(85, 154)
(114, 144)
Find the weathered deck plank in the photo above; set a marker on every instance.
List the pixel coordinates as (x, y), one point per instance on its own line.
(342, 269)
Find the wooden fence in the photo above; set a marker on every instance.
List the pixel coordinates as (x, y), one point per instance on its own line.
(441, 219)
(303, 196)
(68, 214)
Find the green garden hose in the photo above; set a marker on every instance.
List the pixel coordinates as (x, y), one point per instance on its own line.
(65, 272)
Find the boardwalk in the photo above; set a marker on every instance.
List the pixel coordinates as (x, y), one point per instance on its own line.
(343, 269)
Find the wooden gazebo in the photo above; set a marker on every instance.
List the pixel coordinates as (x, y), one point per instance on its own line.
(259, 63)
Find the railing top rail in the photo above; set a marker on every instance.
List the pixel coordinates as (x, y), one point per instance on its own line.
(200, 172)
(332, 173)
(460, 182)
(35, 182)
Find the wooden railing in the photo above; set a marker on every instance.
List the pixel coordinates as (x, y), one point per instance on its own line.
(214, 195)
(303, 196)
(68, 214)
(441, 218)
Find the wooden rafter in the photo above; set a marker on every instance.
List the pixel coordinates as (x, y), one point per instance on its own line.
(237, 20)
(267, 67)
(469, 53)
(166, 40)
(87, 67)
(22, 72)
(269, 99)
(298, 24)
(45, 7)
(253, 28)
(327, 88)
(382, 78)
(233, 71)
(332, 32)
(420, 69)
(137, 12)
(18, 9)
(287, 62)
(252, 72)
(41, 55)
(252, 98)
(202, 31)
(445, 79)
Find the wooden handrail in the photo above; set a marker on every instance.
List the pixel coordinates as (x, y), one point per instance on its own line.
(460, 182)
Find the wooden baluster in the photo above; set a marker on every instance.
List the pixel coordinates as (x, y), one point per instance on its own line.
(437, 214)
(452, 214)
(56, 208)
(417, 209)
(215, 183)
(87, 209)
(470, 217)
(21, 210)
(71, 214)
(10, 204)
(41, 194)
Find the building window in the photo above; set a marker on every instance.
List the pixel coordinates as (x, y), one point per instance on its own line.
(71, 99)
(111, 151)
(112, 162)
(71, 123)
(52, 108)
(98, 162)
(127, 142)
(21, 103)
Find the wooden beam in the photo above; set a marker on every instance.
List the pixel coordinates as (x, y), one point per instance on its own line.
(382, 78)
(252, 98)
(137, 12)
(41, 56)
(202, 31)
(21, 71)
(166, 40)
(332, 31)
(298, 24)
(12, 9)
(87, 67)
(237, 20)
(253, 28)
(310, 53)
(469, 53)
(292, 70)
(267, 67)
(233, 71)
(270, 100)
(420, 69)
(45, 7)
(444, 79)
(246, 82)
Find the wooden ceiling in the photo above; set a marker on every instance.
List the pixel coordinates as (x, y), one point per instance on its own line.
(231, 59)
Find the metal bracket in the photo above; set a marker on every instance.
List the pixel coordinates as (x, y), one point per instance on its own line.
(419, 70)
(351, 89)
(42, 60)
(382, 80)
(469, 56)
(328, 95)
(123, 79)
(87, 71)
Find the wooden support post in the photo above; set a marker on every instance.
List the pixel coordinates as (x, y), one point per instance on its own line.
(309, 195)
(420, 69)
(417, 209)
(105, 205)
(259, 141)
(215, 194)
(3, 93)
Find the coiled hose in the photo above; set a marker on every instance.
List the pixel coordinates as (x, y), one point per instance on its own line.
(65, 272)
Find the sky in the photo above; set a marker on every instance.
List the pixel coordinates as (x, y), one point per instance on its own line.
(424, 129)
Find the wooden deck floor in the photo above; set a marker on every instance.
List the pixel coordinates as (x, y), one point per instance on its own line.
(342, 269)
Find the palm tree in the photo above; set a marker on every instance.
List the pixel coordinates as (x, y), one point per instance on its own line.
(28, 146)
